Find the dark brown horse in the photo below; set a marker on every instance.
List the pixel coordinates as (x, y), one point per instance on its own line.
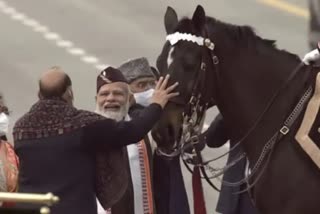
(255, 87)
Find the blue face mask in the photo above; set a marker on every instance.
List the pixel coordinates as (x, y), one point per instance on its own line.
(144, 98)
(4, 124)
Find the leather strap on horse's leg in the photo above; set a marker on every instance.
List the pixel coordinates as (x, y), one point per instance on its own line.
(199, 205)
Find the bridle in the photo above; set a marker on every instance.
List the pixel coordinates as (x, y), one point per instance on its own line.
(201, 98)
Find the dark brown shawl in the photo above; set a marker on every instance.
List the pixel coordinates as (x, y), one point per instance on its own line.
(55, 117)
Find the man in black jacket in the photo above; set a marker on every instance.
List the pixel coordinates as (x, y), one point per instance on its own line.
(57, 145)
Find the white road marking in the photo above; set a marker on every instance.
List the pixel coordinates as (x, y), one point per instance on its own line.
(64, 44)
(8, 10)
(89, 59)
(51, 36)
(18, 16)
(40, 29)
(30, 22)
(76, 51)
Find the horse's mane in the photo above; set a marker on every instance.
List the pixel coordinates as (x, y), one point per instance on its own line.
(244, 35)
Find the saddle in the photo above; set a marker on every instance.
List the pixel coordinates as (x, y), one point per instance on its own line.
(308, 134)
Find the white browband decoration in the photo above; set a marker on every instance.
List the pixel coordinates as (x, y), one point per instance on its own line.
(176, 37)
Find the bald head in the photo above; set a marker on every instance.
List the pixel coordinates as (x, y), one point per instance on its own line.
(54, 83)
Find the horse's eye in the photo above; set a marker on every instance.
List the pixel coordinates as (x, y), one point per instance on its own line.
(190, 60)
(189, 65)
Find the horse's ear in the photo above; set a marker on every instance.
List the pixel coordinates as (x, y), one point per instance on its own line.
(199, 18)
(170, 20)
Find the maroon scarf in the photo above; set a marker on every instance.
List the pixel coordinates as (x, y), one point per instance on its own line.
(48, 118)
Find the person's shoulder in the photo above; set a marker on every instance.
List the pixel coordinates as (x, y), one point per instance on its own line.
(91, 119)
(22, 119)
(83, 113)
(27, 116)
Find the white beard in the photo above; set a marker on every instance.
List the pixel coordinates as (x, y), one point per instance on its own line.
(114, 115)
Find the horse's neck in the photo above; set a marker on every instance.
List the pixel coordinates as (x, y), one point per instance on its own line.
(248, 85)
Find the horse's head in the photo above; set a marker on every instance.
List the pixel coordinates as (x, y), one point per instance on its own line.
(186, 59)
(217, 63)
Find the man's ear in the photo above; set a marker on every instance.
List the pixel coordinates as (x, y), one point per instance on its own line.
(68, 95)
(39, 95)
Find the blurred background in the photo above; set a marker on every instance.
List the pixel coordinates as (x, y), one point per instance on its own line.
(84, 36)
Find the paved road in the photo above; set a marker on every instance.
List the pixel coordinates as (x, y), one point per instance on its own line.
(82, 36)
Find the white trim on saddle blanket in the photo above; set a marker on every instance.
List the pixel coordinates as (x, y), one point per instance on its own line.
(302, 135)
